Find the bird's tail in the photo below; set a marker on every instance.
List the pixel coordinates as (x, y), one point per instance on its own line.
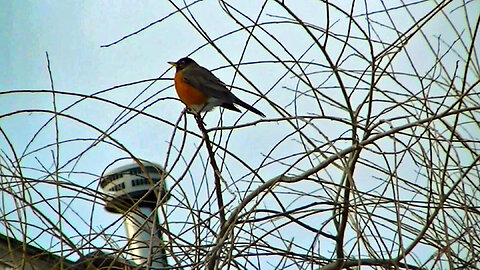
(248, 107)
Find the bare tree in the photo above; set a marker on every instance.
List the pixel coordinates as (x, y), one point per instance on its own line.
(369, 155)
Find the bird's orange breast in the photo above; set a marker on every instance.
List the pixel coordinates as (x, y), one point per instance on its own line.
(187, 93)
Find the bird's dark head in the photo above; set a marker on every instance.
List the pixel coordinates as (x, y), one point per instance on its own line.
(182, 63)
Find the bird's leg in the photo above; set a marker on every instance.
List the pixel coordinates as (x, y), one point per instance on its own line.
(197, 116)
(190, 110)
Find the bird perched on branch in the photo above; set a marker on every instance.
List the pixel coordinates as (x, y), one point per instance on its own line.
(201, 91)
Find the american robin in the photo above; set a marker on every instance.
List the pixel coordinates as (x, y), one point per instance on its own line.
(201, 91)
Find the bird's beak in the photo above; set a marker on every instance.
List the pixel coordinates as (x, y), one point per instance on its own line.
(173, 63)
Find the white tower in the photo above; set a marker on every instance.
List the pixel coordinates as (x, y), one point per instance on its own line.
(130, 192)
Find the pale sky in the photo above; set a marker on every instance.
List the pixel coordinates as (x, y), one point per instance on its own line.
(72, 32)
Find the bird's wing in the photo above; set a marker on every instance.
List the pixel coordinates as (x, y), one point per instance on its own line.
(204, 80)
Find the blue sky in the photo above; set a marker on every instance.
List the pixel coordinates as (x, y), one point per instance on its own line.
(72, 32)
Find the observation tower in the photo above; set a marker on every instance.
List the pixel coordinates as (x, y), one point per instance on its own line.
(134, 190)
